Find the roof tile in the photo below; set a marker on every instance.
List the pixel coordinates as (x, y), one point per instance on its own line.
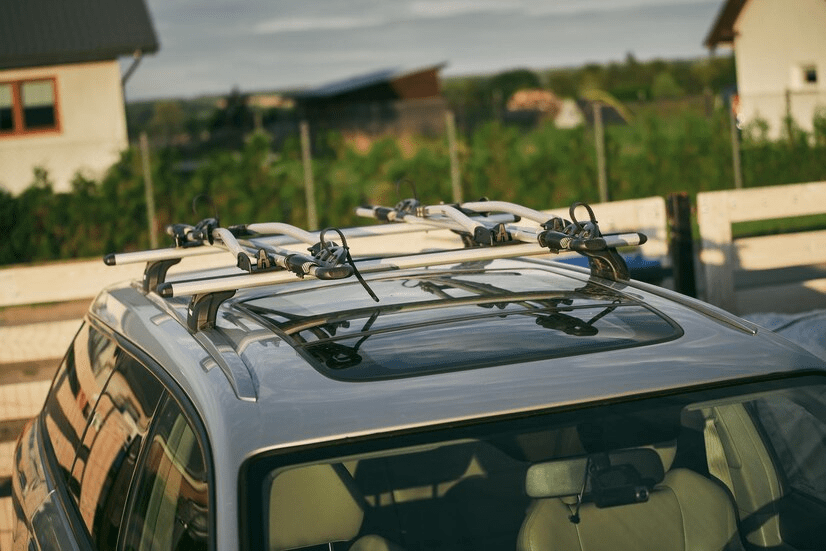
(45, 32)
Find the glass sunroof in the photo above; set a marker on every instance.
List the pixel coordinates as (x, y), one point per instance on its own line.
(453, 321)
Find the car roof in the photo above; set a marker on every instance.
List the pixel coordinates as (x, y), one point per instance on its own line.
(257, 389)
(271, 360)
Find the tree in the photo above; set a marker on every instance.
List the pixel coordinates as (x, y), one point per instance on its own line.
(167, 121)
(665, 86)
(505, 84)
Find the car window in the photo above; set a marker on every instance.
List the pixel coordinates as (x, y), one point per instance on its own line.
(105, 461)
(795, 425)
(77, 385)
(171, 508)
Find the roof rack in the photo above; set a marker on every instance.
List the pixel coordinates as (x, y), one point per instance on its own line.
(487, 230)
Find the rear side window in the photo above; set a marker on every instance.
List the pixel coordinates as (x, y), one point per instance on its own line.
(105, 461)
(794, 424)
(96, 417)
(171, 510)
(78, 384)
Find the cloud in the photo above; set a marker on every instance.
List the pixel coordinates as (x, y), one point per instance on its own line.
(413, 11)
(451, 8)
(327, 23)
(572, 7)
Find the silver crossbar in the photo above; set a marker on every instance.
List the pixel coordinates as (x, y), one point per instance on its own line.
(246, 281)
(280, 234)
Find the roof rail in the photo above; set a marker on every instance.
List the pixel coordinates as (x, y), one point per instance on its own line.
(487, 230)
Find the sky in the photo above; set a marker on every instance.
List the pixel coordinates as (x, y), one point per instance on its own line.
(212, 46)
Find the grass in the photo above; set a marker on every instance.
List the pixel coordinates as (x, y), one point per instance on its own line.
(757, 228)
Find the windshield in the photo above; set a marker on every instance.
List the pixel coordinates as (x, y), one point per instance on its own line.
(712, 470)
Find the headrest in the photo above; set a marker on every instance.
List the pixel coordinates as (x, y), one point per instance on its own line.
(565, 477)
(421, 468)
(313, 505)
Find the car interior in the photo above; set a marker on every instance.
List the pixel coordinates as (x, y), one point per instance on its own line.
(714, 474)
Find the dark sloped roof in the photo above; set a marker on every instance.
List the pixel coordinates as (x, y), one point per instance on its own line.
(52, 32)
(341, 87)
(722, 31)
(349, 84)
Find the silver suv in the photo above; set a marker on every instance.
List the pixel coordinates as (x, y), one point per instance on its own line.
(475, 398)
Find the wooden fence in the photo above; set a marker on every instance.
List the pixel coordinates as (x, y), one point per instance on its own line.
(775, 273)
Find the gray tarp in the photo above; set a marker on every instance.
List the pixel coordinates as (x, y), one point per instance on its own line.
(808, 329)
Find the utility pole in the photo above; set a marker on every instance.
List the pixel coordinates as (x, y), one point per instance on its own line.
(149, 191)
(455, 176)
(309, 184)
(599, 137)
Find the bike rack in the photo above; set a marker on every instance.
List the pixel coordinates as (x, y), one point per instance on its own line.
(487, 230)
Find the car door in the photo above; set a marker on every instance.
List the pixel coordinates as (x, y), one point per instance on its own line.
(170, 508)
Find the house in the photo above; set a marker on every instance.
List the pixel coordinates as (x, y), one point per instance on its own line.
(780, 54)
(570, 115)
(534, 99)
(61, 91)
(381, 102)
(531, 106)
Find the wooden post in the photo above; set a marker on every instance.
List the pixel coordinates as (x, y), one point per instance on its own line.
(735, 146)
(149, 192)
(788, 120)
(599, 137)
(455, 175)
(309, 184)
(681, 246)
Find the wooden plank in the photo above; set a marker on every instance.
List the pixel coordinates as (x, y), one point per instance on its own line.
(776, 251)
(717, 210)
(6, 522)
(36, 341)
(28, 372)
(82, 279)
(765, 203)
(716, 253)
(22, 400)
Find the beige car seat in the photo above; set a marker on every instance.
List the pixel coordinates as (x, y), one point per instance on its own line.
(684, 510)
(316, 505)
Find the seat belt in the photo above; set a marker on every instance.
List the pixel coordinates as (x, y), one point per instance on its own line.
(716, 454)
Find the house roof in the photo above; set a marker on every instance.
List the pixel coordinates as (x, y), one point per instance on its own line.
(351, 84)
(722, 31)
(46, 32)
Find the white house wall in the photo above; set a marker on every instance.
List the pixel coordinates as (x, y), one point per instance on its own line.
(774, 40)
(92, 127)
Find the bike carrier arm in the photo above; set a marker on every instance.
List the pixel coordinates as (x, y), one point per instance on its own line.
(556, 234)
